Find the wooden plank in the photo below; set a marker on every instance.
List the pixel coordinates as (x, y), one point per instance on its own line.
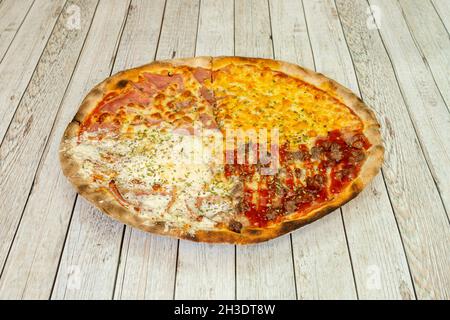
(179, 29)
(177, 39)
(379, 262)
(263, 271)
(427, 109)
(322, 262)
(12, 15)
(51, 202)
(418, 209)
(25, 141)
(216, 28)
(147, 267)
(141, 33)
(25, 51)
(147, 263)
(89, 262)
(433, 41)
(442, 7)
(321, 249)
(378, 259)
(214, 265)
(205, 271)
(290, 33)
(92, 248)
(252, 29)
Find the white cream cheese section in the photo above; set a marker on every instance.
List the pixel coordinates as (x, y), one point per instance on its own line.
(163, 174)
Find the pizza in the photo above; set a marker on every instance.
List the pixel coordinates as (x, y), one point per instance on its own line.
(220, 149)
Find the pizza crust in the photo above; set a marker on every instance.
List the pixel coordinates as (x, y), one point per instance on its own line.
(106, 202)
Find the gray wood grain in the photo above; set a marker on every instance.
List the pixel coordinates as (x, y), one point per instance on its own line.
(24, 145)
(25, 51)
(89, 262)
(418, 209)
(147, 267)
(52, 194)
(433, 42)
(179, 29)
(427, 109)
(92, 247)
(442, 7)
(12, 15)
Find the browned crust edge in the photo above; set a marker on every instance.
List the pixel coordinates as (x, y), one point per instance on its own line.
(104, 201)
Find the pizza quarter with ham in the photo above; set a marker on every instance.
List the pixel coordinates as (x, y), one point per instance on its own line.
(220, 149)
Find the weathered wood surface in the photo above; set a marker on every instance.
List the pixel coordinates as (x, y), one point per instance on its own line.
(12, 15)
(418, 209)
(20, 156)
(25, 51)
(392, 242)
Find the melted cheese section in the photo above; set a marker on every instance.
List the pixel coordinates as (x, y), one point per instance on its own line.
(249, 97)
(161, 175)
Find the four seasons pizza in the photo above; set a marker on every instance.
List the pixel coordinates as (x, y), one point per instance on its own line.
(226, 149)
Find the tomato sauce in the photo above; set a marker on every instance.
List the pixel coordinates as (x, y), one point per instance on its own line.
(347, 169)
(92, 120)
(325, 176)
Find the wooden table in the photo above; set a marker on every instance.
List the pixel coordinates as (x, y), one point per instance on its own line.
(392, 242)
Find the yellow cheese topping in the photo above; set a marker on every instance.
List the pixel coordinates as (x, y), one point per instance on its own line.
(251, 97)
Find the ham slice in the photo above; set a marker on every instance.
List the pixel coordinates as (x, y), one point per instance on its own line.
(123, 100)
(161, 81)
(208, 95)
(202, 74)
(207, 121)
(109, 126)
(145, 87)
(116, 193)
